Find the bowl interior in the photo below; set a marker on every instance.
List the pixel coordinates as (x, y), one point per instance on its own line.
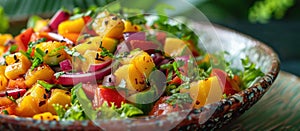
(238, 45)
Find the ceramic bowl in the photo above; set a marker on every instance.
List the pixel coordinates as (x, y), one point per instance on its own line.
(237, 44)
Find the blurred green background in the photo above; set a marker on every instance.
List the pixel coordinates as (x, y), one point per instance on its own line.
(274, 22)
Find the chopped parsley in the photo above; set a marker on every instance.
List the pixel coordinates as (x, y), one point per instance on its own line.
(105, 52)
(38, 58)
(5, 112)
(74, 53)
(58, 74)
(46, 85)
(33, 44)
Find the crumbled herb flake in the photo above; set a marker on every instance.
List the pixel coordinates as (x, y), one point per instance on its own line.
(58, 74)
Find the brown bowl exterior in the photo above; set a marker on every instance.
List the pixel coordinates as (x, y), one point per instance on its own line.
(224, 111)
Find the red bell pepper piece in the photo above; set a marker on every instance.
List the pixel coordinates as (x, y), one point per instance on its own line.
(108, 95)
(23, 39)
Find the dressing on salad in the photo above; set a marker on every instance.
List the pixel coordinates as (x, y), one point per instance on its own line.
(113, 69)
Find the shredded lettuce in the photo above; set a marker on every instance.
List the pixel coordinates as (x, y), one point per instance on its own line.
(126, 110)
(250, 73)
(81, 108)
(74, 111)
(179, 99)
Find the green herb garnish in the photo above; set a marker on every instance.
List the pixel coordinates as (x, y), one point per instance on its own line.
(58, 74)
(74, 53)
(38, 58)
(46, 85)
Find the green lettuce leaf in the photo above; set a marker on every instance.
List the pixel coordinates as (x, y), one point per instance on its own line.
(250, 73)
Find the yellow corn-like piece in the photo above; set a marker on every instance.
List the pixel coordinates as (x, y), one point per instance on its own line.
(129, 27)
(206, 91)
(18, 64)
(45, 116)
(3, 82)
(60, 97)
(43, 72)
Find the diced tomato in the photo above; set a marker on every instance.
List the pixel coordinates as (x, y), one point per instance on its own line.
(8, 105)
(17, 83)
(161, 107)
(86, 19)
(234, 86)
(11, 109)
(230, 86)
(23, 39)
(176, 80)
(4, 101)
(108, 95)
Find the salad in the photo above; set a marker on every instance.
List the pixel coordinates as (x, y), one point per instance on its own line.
(88, 65)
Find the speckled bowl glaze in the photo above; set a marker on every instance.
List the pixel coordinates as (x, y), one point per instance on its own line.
(238, 45)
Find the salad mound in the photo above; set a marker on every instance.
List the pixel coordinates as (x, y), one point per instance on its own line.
(81, 66)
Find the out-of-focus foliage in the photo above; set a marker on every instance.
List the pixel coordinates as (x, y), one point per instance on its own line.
(4, 21)
(216, 10)
(22, 8)
(262, 11)
(255, 11)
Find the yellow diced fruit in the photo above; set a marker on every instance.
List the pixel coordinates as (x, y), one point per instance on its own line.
(206, 91)
(4, 38)
(16, 58)
(42, 72)
(174, 47)
(92, 43)
(144, 63)
(128, 59)
(135, 80)
(129, 27)
(54, 52)
(2, 69)
(71, 26)
(60, 97)
(28, 107)
(40, 95)
(92, 57)
(3, 82)
(45, 116)
(108, 25)
(110, 44)
(18, 64)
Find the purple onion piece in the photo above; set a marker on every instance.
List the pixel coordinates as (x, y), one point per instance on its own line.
(122, 48)
(59, 17)
(66, 65)
(157, 58)
(128, 36)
